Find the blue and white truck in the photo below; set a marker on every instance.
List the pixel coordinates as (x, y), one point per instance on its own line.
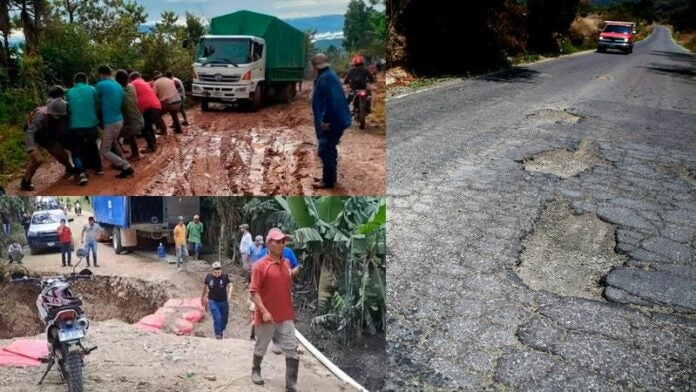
(124, 219)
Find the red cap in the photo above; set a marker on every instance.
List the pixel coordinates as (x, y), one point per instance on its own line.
(276, 235)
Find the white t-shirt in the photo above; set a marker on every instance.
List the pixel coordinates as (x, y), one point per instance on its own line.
(246, 243)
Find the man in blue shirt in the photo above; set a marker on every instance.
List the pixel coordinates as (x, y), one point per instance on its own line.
(331, 118)
(287, 254)
(257, 250)
(111, 98)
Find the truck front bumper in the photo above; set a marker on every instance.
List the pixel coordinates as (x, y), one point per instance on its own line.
(614, 45)
(219, 92)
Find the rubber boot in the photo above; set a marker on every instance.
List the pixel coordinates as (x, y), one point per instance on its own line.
(256, 370)
(292, 366)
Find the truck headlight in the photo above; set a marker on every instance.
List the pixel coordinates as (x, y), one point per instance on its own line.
(625, 40)
(602, 38)
(32, 233)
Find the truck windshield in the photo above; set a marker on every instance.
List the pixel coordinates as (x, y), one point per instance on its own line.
(224, 51)
(617, 29)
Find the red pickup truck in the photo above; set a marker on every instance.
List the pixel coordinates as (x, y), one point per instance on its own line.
(617, 35)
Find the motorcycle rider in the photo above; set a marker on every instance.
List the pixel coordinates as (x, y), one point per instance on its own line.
(357, 78)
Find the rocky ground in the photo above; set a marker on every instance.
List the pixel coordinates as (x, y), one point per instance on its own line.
(542, 227)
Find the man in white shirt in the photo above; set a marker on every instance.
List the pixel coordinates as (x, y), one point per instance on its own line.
(245, 244)
(169, 98)
(90, 232)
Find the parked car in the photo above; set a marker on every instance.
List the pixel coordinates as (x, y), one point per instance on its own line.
(43, 230)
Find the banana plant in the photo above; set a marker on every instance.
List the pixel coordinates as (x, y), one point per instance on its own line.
(344, 239)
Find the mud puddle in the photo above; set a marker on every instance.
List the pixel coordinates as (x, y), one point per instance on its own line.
(568, 254)
(565, 163)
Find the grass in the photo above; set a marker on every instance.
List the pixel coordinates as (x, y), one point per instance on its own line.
(429, 81)
(687, 40)
(13, 155)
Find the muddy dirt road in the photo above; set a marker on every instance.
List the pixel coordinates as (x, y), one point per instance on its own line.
(229, 151)
(128, 287)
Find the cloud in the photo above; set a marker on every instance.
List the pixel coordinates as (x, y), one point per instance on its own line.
(332, 35)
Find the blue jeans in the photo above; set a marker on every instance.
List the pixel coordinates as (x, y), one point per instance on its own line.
(219, 310)
(181, 253)
(91, 245)
(328, 153)
(66, 252)
(195, 247)
(6, 229)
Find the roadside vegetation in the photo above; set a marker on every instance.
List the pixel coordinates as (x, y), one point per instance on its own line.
(498, 34)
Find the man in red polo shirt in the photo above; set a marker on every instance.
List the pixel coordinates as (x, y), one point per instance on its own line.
(271, 285)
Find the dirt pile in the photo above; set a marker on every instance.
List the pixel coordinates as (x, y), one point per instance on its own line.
(104, 298)
(129, 359)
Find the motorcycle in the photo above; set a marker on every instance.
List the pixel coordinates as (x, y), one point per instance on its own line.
(362, 105)
(66, 323)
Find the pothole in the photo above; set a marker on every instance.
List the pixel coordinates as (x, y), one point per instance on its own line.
(556, 116)
(687, 174)
(568, 254)
(104, 298)
(606, 77)
(565, 163)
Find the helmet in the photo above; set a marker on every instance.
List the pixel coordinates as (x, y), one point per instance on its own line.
(57, 295)
(358, 59)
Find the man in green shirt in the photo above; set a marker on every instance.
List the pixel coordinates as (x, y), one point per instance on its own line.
(194, 231)
(82, 106)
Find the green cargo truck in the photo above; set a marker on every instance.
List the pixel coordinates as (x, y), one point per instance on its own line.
(248, 57)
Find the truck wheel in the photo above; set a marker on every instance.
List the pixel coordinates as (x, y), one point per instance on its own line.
(257, 98)
(204, 105)
(118, 248)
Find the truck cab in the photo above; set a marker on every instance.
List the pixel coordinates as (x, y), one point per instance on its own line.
(228, 68)
(617, 35)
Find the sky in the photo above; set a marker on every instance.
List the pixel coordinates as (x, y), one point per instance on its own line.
(283, 9)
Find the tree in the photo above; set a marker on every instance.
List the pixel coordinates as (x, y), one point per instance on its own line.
(548, 20)
(357, 26)
(341, 241)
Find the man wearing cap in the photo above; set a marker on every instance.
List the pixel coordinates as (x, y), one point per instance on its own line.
(46, 128)
(256, 250)
(169, 97)
(217, 291)
(271, 283)
(180, 241)
(111, 99)
(195, 234)
(245, 244)
(331, 118)
(90, 231)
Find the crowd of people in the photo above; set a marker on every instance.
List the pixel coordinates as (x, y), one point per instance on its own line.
(122, 104)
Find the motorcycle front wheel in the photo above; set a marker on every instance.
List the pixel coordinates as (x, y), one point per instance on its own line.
(362, 115)
(72, 372)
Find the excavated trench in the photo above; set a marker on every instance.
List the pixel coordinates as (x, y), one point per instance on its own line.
(104, 297)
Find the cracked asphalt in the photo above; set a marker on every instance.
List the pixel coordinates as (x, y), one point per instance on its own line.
(461, 204)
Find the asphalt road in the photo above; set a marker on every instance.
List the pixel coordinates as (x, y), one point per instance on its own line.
(503, 274)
